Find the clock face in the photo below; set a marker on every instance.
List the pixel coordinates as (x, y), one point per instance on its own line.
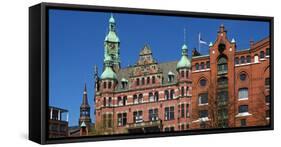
(111, 46)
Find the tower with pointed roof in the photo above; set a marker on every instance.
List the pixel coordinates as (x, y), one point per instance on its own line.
(85, 118)
(112, 44)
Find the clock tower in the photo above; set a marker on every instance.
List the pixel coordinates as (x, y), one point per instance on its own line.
(112, 45)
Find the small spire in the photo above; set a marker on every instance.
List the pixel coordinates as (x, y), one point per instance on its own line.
(211, 44)
(233, 40)
(85, 99)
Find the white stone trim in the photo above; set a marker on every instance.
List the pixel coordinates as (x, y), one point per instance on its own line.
(243, 99)
(243, 114)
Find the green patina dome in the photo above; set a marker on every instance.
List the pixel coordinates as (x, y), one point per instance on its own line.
(108, 73)
(184, 61)
(111, 37)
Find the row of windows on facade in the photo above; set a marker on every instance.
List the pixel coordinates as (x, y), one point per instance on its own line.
(142, 81)
(183, 111)
(222, 96)
(202, 65)
(222, 113)
(153, 97)
(247, 59)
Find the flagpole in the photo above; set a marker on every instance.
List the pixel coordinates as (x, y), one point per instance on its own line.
(199, 42)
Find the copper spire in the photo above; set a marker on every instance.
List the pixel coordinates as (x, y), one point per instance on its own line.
(85, 99)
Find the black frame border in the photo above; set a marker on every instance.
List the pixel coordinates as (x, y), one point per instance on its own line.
(39, 63)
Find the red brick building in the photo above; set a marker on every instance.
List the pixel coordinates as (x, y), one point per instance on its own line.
(227, 88)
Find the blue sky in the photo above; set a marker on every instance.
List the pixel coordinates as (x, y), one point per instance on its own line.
(76, 45)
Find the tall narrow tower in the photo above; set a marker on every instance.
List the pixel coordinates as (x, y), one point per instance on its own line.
(85, 118)
(112, 45)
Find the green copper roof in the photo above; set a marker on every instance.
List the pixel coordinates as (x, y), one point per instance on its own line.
(108, 73)
(111, 37)
(184, 46)
(111, 19)
(184, 61)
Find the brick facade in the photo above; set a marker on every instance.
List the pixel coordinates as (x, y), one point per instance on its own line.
(216, 91)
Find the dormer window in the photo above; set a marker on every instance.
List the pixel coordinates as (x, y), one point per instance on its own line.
(124, 83)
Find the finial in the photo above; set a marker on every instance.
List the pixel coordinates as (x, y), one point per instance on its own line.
(184, 35)
(85, 88)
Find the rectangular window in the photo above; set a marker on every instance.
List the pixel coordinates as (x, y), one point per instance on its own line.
(267, 52)
(243, 93)
(182, 110)
(203, 113)
(138, 117)
(267, 99)
(203, 98)
(119, 101)
(122, 119)
(135, 99)
(243, 108)
(109, 120)
(267, 81)
(208, 64)
(243, 123)
(151, 97)
(186, 110)
(169, 113)
(153, 114)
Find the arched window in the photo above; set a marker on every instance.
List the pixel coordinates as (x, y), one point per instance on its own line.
(236, 60)
(124, 100)
(222, 65)
(172, 94)
(261, 54)
(109, 85)
(243, 93)
(182, 73)
(182, 91)
(256, 58)
(142, 81)
(138, 81)
(187, 74)
(153, 79)
(156, 96)
(135, 99)
(119, 101)
(248, 58)
(242, 60)
(109, 101)
(187, 91)
(151, 97)
(202, 65)
(104, 85)
(140, 98)
(104, 101)
(196, 66)
(208, 64)
(166, 94)
(148, 80)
